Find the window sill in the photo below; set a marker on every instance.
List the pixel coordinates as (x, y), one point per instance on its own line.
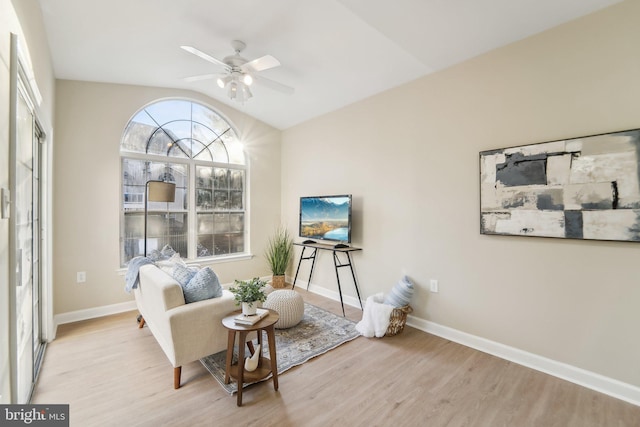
(206, 261)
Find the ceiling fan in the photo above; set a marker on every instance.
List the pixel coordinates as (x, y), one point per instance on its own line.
(240, 73)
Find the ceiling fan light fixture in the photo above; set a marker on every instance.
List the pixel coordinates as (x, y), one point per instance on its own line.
(239, 72)
(237, 88)
(245, 93)
(232, 90)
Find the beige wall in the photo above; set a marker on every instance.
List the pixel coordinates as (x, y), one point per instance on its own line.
(90, 119)
(410, 158)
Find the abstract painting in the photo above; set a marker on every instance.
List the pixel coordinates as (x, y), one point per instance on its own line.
(581, 188)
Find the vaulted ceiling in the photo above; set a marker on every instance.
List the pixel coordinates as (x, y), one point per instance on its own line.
(333, 52)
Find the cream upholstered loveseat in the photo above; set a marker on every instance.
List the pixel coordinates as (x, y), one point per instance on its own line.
(186, 332)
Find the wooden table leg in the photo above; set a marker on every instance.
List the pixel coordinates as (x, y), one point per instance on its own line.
(272, 355)
(259, 332)
(231, 338)
(243, 338)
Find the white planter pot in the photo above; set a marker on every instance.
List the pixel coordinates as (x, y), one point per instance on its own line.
(249, 310)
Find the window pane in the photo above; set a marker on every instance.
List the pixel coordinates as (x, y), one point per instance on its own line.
(236, 179)
(143, 118)
(203, 134)
(133, 180)
(228, 243)
(137, 172)
(136, 136)
(205, 223)
(160, 143)
(221, 199)
(178, 130)
(205, 246)
(167, 229)
(204, 155)
(219, 152)
(236, 200)
(203, 177)
(185, 131)
(204, 193)
(200, 151)
(236, 223)
(169, 110)
(220, 177)
(236, 153)
(222, 244)
(153, 128)
(205, 235)
(237, 243)
(204, 115)
(221, 223)
(162, 229)
(133, 236)
(203, 199)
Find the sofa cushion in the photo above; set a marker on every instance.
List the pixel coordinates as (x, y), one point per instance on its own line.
(203, 285)
(183, 274)
(168, 265)
(167, 252)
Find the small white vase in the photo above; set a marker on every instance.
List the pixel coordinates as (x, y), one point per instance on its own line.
(248, 310)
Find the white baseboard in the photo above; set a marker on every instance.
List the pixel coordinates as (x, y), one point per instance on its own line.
(600, 383)
(348, 300)
(91, 313)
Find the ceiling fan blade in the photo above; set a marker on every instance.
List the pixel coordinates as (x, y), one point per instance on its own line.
(260, 64)
(204, 56)
(272, 84)
(201, 77)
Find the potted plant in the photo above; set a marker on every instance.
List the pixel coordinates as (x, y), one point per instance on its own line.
(249, 293)
(278, 253)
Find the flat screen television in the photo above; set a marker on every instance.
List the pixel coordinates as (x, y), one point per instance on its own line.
(326, 218)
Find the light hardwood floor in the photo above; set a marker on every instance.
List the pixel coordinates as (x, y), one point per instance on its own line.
(114, 374)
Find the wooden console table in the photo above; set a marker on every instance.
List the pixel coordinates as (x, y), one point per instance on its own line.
(336, 249)
(265, 366)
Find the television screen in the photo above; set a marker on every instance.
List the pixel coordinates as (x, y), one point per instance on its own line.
(326, 218)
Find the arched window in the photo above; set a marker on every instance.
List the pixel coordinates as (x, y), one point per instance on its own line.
(191, 145)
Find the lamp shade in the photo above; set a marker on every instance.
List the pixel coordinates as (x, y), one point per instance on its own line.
(160, 191)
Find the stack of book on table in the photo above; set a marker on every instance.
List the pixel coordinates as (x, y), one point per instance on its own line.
(242, 319)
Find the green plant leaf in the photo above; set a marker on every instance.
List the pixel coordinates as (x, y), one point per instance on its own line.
(248, 291)
(279, 251)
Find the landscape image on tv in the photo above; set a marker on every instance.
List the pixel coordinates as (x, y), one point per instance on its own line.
(325, 218)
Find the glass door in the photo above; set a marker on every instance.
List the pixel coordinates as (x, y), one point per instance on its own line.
(25, 245)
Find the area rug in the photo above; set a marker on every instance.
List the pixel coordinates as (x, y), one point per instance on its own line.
(318, 332)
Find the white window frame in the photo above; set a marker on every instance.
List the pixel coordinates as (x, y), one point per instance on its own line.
(191, 211)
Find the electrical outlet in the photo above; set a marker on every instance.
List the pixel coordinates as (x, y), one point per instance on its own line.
(81, 277)
(433, 285)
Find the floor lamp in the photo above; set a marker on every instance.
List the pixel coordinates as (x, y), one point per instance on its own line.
(156, 191)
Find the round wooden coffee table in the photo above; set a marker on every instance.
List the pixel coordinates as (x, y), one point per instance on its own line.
(265, 366)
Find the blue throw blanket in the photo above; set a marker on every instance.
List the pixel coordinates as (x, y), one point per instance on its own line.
(132, 277)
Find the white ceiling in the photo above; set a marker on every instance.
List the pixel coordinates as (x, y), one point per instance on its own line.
(333, 52)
